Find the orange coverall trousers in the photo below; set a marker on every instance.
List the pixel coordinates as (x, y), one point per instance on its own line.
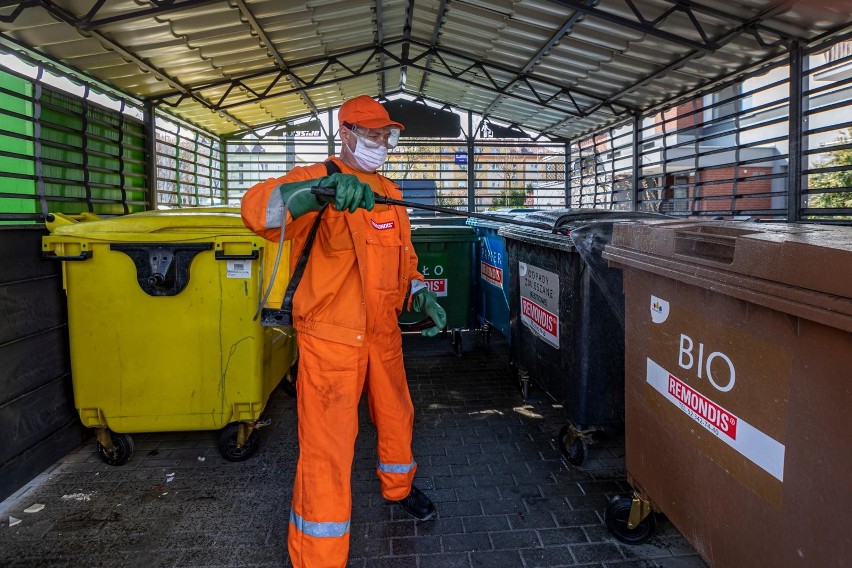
(330, 381)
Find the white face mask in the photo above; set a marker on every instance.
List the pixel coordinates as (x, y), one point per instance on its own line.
(369, 155)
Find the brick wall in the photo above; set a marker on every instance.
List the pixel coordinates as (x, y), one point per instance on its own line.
(726, 189)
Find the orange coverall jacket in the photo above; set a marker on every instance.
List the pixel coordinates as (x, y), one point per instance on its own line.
(327, 304)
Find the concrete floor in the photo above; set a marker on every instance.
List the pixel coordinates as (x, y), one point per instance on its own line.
(489, 459)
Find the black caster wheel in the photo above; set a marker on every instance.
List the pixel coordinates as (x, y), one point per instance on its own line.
(122, 449)
(572, 445)
(228, 443)
(616, 516)
(288, 383)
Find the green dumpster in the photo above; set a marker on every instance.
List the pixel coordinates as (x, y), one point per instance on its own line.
(445, 257)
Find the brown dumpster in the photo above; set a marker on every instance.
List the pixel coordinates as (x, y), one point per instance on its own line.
(738, 389)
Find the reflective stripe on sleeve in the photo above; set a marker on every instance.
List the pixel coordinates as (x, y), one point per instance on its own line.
(320, 530)
(274, 209)
(396, 467)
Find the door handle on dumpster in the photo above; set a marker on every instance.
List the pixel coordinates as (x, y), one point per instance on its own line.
(220, 255)
(50, 255)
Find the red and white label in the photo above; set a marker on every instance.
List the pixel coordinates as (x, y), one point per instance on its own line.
(382, 226)
(762, 450)
(714, 414)
(491, 274)
(540, 320)
(438, 286)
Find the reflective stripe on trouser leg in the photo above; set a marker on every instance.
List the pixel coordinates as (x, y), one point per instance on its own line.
(396, 467)
(330, 381)
(319, 530)
(391, 409)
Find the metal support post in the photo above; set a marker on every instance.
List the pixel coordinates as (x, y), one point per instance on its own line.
(471, 165)
(151, 153)
(636, 163)
(794, 152)
(568, 174)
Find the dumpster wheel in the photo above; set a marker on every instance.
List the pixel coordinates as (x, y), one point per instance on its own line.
(121, 450)
(573, 445)
(228, 442)
(636, 530)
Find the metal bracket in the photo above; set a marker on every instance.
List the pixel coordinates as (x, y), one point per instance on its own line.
(104, 437)
(162, 269)
(639, 510)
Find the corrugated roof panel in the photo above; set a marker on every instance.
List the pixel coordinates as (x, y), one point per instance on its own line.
(204, 118)
(513, 111)
(281, 108)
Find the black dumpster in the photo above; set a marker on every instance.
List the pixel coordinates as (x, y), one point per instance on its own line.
(567, 318)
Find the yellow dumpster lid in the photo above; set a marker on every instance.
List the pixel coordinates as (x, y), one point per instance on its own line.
(166, 225)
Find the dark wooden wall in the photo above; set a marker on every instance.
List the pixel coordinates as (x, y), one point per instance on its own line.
(38, 422)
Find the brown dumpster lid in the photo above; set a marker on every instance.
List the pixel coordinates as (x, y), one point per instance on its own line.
(803, 269)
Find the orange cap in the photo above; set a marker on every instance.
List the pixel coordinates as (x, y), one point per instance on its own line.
(364, 111)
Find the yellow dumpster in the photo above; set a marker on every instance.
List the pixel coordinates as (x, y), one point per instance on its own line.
(162, 328)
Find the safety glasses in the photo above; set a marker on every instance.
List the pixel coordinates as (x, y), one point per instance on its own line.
(375, 138)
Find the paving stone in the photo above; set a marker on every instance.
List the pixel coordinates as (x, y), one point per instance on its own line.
(441, 525)
(445, 561)
(514, 539)
(596, 552)
(467, 542)
(532, 520)
(427, 544)
(485, 523)
(496, 559)
(562, 536)
(548, 557)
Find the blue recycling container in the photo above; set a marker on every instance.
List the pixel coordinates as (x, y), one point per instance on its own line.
(492, 272)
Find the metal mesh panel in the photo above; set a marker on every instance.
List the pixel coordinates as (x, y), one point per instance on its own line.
(723, 153)
(827, 134)
(602, 169)
(756, 147)
(251, 160)
(189, 166)
(66, 146)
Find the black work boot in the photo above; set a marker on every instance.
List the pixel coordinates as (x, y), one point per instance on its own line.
(418, 505)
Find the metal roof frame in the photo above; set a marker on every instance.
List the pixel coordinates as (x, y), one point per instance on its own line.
(618, 51)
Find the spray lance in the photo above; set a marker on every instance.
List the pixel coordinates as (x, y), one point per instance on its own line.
(282, 317)
(330, 192)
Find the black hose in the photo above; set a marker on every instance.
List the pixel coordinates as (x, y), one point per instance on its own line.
(329, 193)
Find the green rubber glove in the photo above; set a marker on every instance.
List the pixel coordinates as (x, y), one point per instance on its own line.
(300, 203)
(426, 301)
(352, 193)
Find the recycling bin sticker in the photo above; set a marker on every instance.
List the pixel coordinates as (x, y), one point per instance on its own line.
(540, 302)
(726, 390)
(238, 269)
(489, 268)
(433, 268)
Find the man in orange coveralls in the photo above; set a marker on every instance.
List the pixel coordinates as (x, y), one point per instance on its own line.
(360, 270)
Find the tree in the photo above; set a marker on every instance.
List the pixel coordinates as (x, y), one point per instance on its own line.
(838, 179)
(510, 197)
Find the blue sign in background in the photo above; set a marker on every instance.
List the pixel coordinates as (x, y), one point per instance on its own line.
(461, 157)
